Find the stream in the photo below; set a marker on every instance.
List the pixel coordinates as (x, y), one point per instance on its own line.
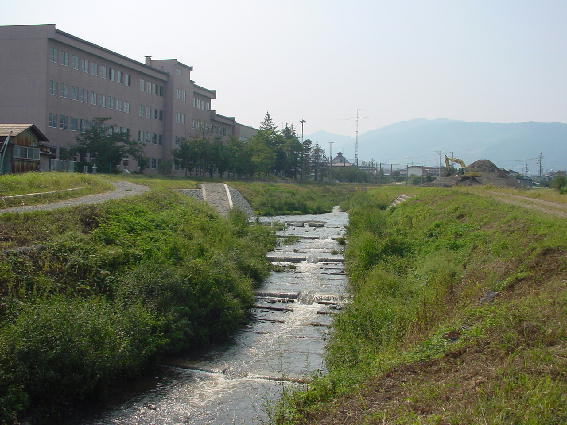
(282, 345)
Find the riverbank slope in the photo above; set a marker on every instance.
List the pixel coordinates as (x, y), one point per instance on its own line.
(459, 316)
(90, 295)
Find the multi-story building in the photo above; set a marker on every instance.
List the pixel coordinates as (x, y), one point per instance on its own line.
(60, 83)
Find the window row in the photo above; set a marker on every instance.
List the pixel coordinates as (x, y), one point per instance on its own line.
(181, 95)
(148, 137)
(201, 125)
(151, 88)
(65, 122)
(180, 118)
(146, 111)
(201, 104)
(92, 68)
(221, 130)
(86, 96)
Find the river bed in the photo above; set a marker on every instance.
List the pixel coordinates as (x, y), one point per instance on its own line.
(282, 345)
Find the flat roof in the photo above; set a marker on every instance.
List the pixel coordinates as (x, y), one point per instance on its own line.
(88, 43)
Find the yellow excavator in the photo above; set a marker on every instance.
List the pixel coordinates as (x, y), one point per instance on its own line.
(463, 171)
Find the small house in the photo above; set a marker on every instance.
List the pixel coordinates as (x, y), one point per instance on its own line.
(23, 147)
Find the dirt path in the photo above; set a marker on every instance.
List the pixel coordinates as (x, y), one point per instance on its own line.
(122, 189)
(547, 207)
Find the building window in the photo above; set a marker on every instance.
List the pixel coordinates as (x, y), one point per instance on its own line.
(161, 90)
(62, 122)
(154, 163)
(102, 71)
(85, 66)
(120, 77)
(160, 139)
(74, 62)
(53, 88)
(23, 152)
(53, 54)
(94, 69)
(52, 120)
(142, 112)
(148, 87)
(111, 74)
(100, 99)
(154, 138)
(127, 107)
(74, 124)
(92, 98)
(142, 85)
(62, 90)
(74, 93)
(148, 112)
(161, 114)
(63, 58)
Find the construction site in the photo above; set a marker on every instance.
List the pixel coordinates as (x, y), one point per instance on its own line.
(479, 172)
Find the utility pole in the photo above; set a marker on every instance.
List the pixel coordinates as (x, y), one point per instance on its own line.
(331, 153)
(356, 140)
(540, 163)
(302, 121)
(439, 153)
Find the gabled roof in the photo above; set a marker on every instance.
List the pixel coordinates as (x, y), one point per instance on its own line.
(13, 130)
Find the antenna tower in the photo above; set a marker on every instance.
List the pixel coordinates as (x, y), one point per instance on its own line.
(356, 140)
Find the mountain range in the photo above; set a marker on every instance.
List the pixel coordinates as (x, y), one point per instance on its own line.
(418, 141)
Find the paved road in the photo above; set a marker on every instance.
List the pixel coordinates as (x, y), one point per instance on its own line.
(122, 189)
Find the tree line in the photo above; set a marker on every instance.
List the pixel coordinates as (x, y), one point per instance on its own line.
(270, 152)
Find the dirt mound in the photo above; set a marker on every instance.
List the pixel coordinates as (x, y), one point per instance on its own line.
(484, 165)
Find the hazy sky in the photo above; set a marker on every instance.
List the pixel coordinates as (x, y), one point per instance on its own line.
(475, 60)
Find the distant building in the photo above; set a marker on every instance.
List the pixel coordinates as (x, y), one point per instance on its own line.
(420, 171)
(23, 147)
(61, 83)
(340, 161)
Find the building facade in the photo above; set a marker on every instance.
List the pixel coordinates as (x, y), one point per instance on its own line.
(60, 83)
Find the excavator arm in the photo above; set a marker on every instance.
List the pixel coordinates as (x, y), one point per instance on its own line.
(448, 161)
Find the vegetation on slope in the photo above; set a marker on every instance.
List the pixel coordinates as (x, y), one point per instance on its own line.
(103, 289)
(22, 184)
(459, 316)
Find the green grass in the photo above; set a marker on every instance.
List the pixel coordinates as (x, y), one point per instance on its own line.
(287, 199)
(416, 346)
(21, 184)
(111, 287)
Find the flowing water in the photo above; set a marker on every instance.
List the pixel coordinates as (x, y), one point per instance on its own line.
(283, 344)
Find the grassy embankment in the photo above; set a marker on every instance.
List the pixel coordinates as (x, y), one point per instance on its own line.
(105, 289)
(459, 316)
(22, 184)
(283, 199)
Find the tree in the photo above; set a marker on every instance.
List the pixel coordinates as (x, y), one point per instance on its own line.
(305, 159)
(106, 147)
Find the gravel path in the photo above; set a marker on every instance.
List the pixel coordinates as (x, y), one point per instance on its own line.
(216, 195)
(122, 189)
(547, 207)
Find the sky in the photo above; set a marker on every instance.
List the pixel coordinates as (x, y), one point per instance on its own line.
(396, 60)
